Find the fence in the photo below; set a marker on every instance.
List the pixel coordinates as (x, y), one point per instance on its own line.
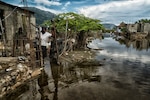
(22, 47)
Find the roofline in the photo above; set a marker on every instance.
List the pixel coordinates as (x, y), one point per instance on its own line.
(13, 6)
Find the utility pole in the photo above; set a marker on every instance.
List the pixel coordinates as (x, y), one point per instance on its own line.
(25, 4)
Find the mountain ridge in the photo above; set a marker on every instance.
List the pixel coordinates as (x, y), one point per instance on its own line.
(109, 25)
(41, 15)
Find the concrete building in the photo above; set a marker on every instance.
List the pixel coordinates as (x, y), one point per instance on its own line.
(133, 27)
(147, 28)
(139, 27)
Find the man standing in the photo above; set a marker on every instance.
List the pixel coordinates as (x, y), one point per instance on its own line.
(45, 42)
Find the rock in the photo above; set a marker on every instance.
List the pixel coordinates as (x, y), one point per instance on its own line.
(14, 73)
(66, 54)
(20, 67)
(3, 89)
(22, 58)
(29, 72)
(1, 67)
(8, 88)
(8, 69)
(11, 64)
(7, 78)
(2, 81)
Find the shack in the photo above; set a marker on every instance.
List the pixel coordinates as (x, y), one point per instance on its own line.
(18, 61)
(11, 19)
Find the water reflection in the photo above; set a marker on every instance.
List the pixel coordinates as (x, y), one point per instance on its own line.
(113, 49)
(125, 75)
(127, 67)
(55, 73)
(43, 84)
(137, 44)
(49, 84)
(101, 82)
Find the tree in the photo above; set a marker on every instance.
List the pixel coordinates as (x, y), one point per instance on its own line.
(143, 21)
(76, 22)
(76, 25)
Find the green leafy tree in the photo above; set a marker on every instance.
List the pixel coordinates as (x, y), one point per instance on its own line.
(143, 21)
(76, 22)
(77, 25)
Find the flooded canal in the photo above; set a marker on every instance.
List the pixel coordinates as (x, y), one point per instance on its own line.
(125, 75)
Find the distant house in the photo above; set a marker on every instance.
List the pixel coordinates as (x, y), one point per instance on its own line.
(133, 27)
(118, 30)
(139, 27)
(121, 28)
(122, 24)
(13, 18)
(147, 28)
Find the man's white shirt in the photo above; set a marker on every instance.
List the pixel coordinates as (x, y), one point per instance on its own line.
(45, 39)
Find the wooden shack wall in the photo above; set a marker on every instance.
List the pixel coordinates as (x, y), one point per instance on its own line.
(14, 20)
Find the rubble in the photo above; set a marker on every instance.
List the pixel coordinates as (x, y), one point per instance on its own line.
(14, 72)
(80, 58)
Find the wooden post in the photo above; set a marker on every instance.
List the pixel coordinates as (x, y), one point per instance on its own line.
(3, 35)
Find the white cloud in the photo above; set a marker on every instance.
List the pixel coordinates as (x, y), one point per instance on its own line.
(43, 7)
(80, 2)
(48, 3)
(48, 9)
(124, 10)
(66, 5)
(108, 11)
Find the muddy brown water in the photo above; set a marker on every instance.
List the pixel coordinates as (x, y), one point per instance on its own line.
(125, 75)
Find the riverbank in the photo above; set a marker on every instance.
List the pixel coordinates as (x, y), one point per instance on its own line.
(80, 58)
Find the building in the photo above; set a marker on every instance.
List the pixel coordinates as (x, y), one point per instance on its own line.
(139, 27)
(147, 28)
(11, 19)
(132, 27)
(17, 64)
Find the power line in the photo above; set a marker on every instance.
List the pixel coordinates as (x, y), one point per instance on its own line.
(25, 3)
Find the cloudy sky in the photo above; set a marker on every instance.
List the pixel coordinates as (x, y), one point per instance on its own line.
(108, 11)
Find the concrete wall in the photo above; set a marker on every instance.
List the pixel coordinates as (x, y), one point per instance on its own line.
(146, 27)
(132, 27)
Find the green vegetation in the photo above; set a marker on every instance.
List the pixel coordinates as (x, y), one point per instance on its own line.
(143, 21)
(75, 23)
(76, 26)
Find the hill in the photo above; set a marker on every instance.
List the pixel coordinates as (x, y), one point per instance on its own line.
(109, 26)
(41, 15)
